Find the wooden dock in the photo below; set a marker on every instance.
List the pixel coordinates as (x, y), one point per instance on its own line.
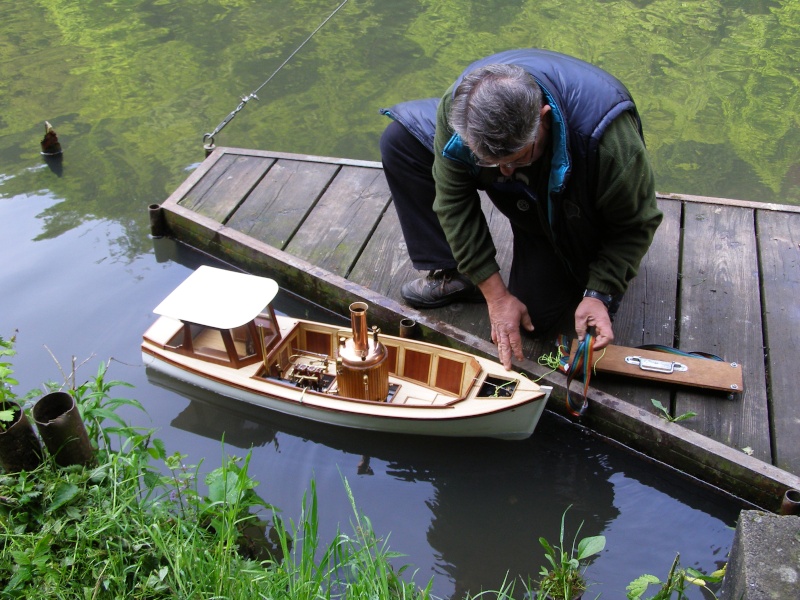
(722, 276)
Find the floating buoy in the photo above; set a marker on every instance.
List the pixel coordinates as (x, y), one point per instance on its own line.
(50, 144)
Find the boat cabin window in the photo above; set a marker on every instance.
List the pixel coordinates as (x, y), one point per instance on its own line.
(244, 342)
(238, 346)
(208, 342)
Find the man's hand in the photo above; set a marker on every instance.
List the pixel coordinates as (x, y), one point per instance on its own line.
(506, 314)
(591, 312)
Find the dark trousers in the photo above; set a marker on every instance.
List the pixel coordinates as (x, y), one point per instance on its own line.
(538, 276)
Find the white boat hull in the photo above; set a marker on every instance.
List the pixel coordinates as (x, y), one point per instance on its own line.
(513, 423)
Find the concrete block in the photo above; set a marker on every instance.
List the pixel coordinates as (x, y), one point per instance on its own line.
(764, 562)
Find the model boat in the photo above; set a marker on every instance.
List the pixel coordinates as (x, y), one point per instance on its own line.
(219, 331)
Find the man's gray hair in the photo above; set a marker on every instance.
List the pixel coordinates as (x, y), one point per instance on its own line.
(496, 110)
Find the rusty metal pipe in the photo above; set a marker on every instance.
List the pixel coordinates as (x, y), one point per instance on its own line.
(790, 504)
(20, 449)
(408, 329)
(62, 429)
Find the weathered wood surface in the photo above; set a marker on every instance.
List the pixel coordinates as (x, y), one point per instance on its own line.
(779, 242)
(647, 313)
(720, 312)
(227, 183)
(722, 276)
(335, 233)
(282, 201)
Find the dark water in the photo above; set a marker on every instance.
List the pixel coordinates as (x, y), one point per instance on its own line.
(132, 86)
(463, 511)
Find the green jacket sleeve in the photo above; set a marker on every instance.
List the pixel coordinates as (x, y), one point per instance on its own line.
(626, 203)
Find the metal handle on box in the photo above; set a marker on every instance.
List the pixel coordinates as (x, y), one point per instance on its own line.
(659, 366)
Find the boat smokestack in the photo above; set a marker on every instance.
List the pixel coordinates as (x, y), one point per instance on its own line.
(358, 320)
(363, 371)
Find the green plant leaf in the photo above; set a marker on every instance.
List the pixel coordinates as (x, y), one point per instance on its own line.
(103, 413)
(694, 580)
(589, 546)
(718, 575)
(226, 485)
(64, 493)
(684, 416)
(546, 545)
(661, 407)
(99, 474)
(174, 461)
(666, 415)
(160, 449)
(638, 586)
(151, 479)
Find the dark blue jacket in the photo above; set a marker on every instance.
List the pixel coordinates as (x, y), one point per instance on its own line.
(584, 100)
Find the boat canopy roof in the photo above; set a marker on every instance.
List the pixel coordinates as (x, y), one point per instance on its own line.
(217, 298)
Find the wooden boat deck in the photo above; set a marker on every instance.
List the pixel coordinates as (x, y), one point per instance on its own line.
(722, 276)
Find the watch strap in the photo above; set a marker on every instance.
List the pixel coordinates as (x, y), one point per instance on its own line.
(604, 298)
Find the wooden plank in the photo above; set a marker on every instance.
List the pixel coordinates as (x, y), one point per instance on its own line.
(753, 204)
(340, 226)
(647, 313)
(225, 185)
(214, 169)
(281, 201)
(779, 244)
(189, 227)
(720, 313)
(384, 266)
(333, 160)
(198, 176)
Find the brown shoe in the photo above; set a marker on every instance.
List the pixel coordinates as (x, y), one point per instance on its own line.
(440, 288)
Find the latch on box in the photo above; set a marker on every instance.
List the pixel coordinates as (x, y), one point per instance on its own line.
(659, 366)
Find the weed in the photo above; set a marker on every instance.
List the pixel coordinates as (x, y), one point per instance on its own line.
(10, 403)
(564, 578)
(665, 414)
(676, 583)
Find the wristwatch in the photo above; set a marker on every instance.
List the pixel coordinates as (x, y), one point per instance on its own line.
(604, 298)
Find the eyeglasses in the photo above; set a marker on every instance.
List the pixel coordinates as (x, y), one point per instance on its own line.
(516, 164)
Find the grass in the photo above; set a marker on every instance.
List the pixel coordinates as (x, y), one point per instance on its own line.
(138, 526)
